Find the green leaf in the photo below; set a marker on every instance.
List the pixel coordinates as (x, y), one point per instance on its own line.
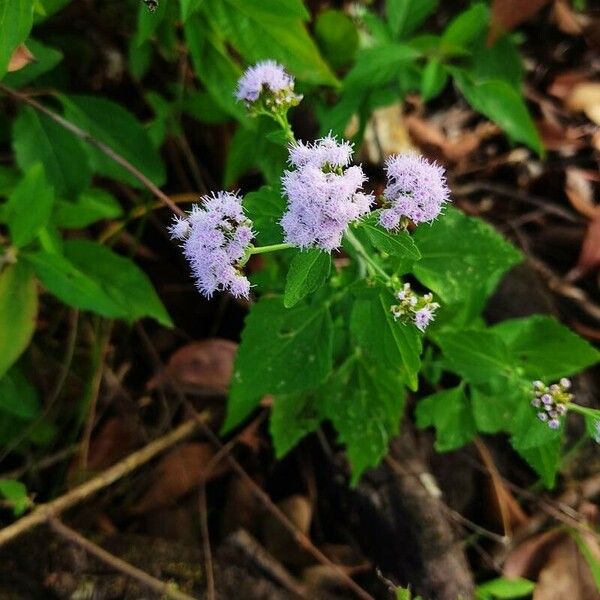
(462, 257)
(388, 342)
(92, 205)
(405, 16)
(120, 278)
(500, 61)
(379, 66)
(17, 396)
(395, 244)
(476, 355)
(36, 138)
(450, 413)
(527, 430)
(591, 557)
(503, 588)
(18, 311)
(433, 80)
(293, 416)
(71, 285)
(467, 26)
(16, 494)
(203, 107)
(337, 37)
(46, 58)
(29, 206)
(271, 29)
(545, 349)
(188, 7)
(149, 21)
(265, 208)
(365, 405)
(16, 19)
(501, 103)
(282, 351)
(543, 459)
(112, 124)
(309, 270)
(494, 406)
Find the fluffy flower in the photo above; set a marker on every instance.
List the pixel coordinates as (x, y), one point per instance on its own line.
(323, 196)
(214, 238)
(551, 402)
(416, 189)
(267, 80)
(412, 308)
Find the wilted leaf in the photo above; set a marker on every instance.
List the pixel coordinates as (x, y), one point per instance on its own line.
(179, 472)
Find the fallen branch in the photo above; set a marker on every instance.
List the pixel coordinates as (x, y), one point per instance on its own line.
(104, 148)
(156, 585)
(44, 512)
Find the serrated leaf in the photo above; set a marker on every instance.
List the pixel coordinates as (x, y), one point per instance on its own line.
(18, 312)
(92, 205)
(365, 405)
(265, 208)
(112, 124)
(476, 355)
(308, 271)
(395, 244)
(293, 416)
(449, 411)
(545, 349)
(120, 278)
(69, 284)
(282, 351)
(388, 342)
(17, 396)
(462, 257)
(29, 206)
(36, 138)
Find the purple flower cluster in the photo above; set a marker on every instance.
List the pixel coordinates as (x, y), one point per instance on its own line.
(267, 80)
(323, 194)
(551, 401)
(411, 307)
(215, 237)
(416, 190)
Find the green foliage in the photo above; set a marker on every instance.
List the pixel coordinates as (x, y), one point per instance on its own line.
(15, 493)
(503, 588)
(18, 311)
(308, 272)
(337, 36)
(17, 396)
(16, 19)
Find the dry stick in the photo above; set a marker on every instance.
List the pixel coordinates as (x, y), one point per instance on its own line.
(298, 535)
(130, 463)
(156, 585)
(104, 148)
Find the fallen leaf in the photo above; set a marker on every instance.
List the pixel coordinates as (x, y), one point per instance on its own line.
(179, 472)
(559, 138)
(566, 19)
(580, 192)
(508, 14)
(585, 97)
(529, 557)
(589, 256)
(564, 82)
(20, 58)
(115, 439)
(386, 134)
(200, 366)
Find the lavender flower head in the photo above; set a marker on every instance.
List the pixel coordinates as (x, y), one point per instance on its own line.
(416, 190)
(551, 402)
(323, 194)
(214, 238)
(269, 84)
(412, 308)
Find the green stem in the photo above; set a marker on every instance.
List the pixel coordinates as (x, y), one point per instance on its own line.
(584, 410)
(285, 125)
(360, 249)
(271, 248)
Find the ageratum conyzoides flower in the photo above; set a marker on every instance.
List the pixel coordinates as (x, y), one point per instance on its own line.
(215, 237)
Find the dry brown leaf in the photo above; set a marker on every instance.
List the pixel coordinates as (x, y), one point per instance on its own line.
(529, 557)
(589, 257)
(386, 134)
(566, 20)
(508, 14)
(200, 366)
(585, 97)
(179, 472)
(565, 575)
(115, 439)
(564, 82)
(580, 192)
(20, 58)
(560, 138)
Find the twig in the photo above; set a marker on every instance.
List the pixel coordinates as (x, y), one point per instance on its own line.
(118, 564)
(104, 148)
(298, 535)
(130, 463)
